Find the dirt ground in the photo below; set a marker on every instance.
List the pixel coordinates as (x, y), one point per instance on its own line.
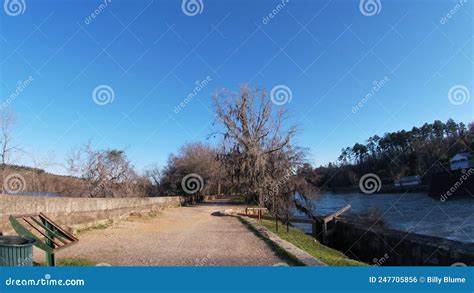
(185, 236)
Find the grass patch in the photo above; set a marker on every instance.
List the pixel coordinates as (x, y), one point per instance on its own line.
(153, 214)
(75, 262)
(280, 252)
(72, 262)
(143, 215)
(237, 200)
(96, 227)
(307, 243)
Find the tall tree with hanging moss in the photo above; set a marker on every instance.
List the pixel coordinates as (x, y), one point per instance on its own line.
(259, 151)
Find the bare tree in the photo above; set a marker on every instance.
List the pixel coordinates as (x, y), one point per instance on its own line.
(153, 174)
(260, 156)
(7, 146)
(106, 173)
(259, 147)
(38, 181)
(198, 159)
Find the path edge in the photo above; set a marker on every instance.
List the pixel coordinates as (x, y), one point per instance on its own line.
(290, 248)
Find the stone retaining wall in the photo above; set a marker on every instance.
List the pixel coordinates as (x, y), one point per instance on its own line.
(76, 213)
(379, 246)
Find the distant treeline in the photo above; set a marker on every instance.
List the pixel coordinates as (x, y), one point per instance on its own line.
(423, 151)
(19, 179)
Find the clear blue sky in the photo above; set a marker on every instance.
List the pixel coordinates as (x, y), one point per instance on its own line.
(151, 54)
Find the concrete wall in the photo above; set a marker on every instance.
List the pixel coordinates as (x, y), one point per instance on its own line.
(393, 247)
(76, 213)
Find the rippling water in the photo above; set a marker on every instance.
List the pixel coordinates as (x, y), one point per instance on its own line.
(413, 212)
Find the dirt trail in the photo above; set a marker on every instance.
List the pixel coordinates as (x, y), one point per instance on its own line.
(185, 236)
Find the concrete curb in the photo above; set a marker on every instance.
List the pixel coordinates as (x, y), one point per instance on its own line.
(300, 254)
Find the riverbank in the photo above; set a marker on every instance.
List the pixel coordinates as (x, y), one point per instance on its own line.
(308, 244)
(442, 185)
(294, 241)
(451, 185)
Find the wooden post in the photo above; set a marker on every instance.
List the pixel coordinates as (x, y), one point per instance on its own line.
(325, 231)
(330, 218)
(287, 223)
(259, 215)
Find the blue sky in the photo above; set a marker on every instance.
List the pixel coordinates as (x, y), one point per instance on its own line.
(151, 54)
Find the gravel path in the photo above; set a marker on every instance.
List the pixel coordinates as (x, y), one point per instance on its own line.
(185, 236)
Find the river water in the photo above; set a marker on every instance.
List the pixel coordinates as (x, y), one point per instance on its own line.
(37, 193)
(412, 212)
